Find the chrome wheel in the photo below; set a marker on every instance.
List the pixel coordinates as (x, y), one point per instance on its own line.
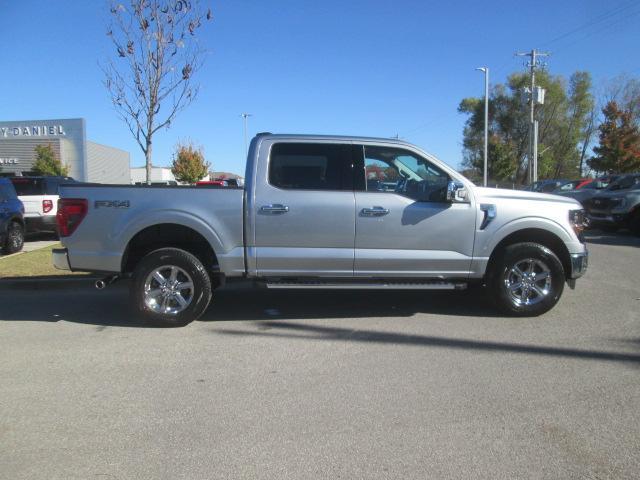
(168, 290)
(528, 282)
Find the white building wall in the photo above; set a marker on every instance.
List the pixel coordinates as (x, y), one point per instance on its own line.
(107, 164)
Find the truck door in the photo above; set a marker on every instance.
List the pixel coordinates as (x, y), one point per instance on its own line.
(304, 210)
(405, 227)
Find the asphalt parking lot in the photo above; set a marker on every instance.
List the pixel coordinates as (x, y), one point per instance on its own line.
(293, 385)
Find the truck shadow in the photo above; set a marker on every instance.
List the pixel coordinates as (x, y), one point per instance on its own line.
(235, 304)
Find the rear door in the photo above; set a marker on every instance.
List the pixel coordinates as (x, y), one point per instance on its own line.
(304, 214)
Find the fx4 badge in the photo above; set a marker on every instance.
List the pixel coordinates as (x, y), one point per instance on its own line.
(111, 204)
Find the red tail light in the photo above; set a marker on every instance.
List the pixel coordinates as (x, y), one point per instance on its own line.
(47, 206)
(71, 211)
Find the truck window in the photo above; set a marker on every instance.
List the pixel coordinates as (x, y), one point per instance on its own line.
(28, 186)
(396, 170)
(311, 166)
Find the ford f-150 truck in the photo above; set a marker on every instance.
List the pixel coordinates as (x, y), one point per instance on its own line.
(324, 212)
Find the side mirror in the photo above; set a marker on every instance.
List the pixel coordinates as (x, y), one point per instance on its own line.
(456, 193)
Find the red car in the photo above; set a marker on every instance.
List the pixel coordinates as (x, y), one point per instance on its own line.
(220, 183)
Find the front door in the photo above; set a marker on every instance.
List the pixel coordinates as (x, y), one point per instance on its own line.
(405, 227)
(305, 211)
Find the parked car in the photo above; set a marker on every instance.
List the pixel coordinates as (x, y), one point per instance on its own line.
(618, 206)
(572, 185)
(215, 183)
(545, 186)
(40, 198)
(306, 219)
(11, 218)
(587, 191)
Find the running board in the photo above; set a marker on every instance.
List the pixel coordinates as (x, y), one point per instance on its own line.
(369, 285)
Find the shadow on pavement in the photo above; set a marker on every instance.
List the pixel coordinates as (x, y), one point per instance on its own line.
(291, 330)
(109, 307)
(621, 239)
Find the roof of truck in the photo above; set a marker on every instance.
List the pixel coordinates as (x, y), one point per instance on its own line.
(356, 138)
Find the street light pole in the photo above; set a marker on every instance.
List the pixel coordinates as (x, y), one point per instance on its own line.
(486, 120)
(246, 145)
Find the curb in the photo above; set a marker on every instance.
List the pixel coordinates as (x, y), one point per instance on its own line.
(48, 283)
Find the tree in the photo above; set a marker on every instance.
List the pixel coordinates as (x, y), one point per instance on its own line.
(563, 121)
(157, 57)
(189, 164)
(619, 147)
(47, 163)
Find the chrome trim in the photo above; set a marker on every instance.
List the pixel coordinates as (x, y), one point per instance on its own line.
(60, 259)
(374, 212)
(579, 264)
(274, 208)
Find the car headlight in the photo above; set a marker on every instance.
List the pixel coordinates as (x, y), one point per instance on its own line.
(578, 220)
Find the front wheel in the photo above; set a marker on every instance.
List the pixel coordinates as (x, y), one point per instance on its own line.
(170, 288)
(15, 238)
(527, 280)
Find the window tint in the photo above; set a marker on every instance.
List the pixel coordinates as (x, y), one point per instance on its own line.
(307, 166)
(396, 170)
(28, 186)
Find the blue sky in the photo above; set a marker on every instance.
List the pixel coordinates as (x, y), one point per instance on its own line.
(363, 67)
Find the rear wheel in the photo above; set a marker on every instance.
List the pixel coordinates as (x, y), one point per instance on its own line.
(170, 288)
(15, 238)
(526, 280)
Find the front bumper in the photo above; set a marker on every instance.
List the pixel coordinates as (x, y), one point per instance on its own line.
(579, 264)
(61, 259)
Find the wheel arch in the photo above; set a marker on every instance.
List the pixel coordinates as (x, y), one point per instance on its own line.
(541, 236)
(168, 235)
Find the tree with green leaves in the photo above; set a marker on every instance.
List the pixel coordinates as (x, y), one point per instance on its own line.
(189, 164)
(156, 57)
(47, 163)
(563, 127)
(619, 147)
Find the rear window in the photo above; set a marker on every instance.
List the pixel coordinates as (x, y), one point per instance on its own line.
(307, 166)
(28, 186)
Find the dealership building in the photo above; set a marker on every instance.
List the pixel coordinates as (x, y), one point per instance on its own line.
(87, 161)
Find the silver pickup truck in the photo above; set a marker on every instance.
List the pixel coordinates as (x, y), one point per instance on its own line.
(324, 212)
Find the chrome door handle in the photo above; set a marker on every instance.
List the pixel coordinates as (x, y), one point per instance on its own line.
(374, 212)
(274, 208)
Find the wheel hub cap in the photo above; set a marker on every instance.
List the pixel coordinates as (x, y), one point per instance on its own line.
(168, 290)
(528, 281)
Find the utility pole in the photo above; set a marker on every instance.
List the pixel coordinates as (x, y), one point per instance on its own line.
(245, 116)
(533, 143)
(486, 121)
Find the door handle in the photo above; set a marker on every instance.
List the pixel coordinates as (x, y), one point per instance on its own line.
(274, 208)
(374, 212)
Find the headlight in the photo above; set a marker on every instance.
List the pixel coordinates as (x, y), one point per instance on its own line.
(578, 220)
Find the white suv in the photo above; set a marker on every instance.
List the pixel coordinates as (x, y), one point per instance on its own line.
(40, 198)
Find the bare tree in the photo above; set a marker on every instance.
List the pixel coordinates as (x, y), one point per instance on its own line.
(156, 57)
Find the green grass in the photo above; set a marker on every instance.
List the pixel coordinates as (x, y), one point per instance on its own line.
(32, 264)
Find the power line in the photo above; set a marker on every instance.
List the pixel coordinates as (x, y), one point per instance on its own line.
(609, 14)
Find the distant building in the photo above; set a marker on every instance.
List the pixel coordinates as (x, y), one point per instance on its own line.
(87, 161)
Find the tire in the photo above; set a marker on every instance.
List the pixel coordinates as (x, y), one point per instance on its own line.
(15, 239)
(170, 288)
(543, 281)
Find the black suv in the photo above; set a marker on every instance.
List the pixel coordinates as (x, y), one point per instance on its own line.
(11, 218)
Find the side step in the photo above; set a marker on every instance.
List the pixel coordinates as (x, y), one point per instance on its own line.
(379, 285)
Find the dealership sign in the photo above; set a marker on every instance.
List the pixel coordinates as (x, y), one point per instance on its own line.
(33, 131)
(9, 161)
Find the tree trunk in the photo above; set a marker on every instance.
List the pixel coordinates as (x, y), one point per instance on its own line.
(147, 156)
